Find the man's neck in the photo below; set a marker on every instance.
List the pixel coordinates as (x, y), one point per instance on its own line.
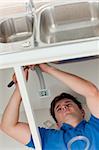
(73, 123)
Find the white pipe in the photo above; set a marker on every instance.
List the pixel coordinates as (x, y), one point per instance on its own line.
(27, 106)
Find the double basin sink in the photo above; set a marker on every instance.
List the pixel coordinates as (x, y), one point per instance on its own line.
(53, 24)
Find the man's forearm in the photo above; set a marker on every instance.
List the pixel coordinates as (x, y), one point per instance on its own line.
(11, 114)
(74, 82)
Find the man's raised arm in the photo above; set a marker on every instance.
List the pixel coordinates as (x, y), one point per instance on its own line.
(79, 85)
(10, 120)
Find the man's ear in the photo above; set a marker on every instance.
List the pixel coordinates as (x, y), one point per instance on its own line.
(58, 125)
(83, 112)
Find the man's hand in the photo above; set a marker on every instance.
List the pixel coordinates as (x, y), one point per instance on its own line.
(26, 72)
(44, 67)
(14, 80)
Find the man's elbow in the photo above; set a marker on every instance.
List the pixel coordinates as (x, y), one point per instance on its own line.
(93, 92)
(5, 127)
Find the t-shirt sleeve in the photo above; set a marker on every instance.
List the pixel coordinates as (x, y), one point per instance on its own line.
(31, 142)
(93, 120)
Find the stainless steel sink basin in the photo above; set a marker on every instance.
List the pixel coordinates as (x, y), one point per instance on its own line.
(16, 29)
(68, 22)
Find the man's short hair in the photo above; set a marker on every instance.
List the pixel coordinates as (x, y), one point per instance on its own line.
(59, 98)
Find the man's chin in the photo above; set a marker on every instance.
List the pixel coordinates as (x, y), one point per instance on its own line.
(68, 117)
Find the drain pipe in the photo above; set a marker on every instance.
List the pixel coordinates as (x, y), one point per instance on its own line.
(43, 92)
(40, 76)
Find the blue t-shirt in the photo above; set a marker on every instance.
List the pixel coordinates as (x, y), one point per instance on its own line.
(67, 136)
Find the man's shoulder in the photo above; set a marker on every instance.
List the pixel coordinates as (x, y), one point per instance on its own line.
(93, 119)
(49, 131)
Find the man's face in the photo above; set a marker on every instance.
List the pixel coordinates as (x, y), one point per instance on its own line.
(66, 111)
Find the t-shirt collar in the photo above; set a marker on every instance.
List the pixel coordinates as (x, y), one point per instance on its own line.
(66, 126)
